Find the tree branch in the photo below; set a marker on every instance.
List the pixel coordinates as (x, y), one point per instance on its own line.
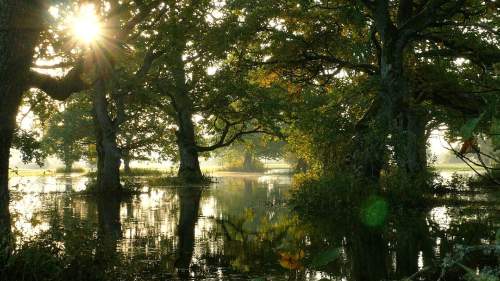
(223, 142)
(59, 88)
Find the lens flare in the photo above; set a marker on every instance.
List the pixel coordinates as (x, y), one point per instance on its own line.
(86, 24)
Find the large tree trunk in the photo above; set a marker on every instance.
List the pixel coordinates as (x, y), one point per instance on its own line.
(369, 152)
(189, 169)
(411, 156)
(397, 115)
(108, 153)
(20, 22)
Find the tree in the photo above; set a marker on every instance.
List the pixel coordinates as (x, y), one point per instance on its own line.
(246, 154)
(68, 135)
(22, 24)
(390, 43)
(221, 99)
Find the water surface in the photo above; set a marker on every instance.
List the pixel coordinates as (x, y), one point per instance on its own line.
(240, 228)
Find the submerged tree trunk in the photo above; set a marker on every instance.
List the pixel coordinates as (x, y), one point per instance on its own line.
(108, 153)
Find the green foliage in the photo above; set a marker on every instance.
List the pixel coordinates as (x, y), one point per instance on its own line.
(246, 154)
(319, 196)
(30, 146)
(70, 132)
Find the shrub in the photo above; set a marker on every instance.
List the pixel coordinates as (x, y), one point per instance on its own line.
(319, 196)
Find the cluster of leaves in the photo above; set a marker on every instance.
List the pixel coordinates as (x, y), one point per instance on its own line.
(28, 142)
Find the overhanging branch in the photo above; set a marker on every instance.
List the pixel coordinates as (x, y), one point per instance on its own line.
(59, 88)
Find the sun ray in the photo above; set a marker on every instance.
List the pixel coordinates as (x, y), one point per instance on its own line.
(86, 26)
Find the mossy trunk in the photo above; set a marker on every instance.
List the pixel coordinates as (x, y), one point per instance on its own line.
(6, 132)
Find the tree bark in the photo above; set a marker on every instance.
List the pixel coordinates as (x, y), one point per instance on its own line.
(189, 168)
(20, 31)
(369, 145)
(411, 156)
(108, 153)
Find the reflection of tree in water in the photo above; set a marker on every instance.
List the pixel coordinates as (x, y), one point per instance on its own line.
(407, 243)
(68, 183)
(243, 228)
(189, 200)
(5, 229)
(109, 229)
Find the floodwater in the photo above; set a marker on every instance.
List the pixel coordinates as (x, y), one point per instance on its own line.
(240, 228)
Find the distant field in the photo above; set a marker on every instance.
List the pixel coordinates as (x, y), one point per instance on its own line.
(453, 167)
(31, 172)
(277, 166)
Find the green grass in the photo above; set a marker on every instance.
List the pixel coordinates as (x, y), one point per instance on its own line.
(73, 170)
(277, 166)
(176, 181)
(31, 172)
(454, 167)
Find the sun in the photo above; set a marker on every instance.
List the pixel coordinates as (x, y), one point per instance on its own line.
(86, 26)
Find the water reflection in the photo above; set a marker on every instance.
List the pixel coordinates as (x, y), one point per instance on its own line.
(241, 228)
(189, 200)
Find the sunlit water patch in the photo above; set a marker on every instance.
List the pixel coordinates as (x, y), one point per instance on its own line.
(241, 228)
